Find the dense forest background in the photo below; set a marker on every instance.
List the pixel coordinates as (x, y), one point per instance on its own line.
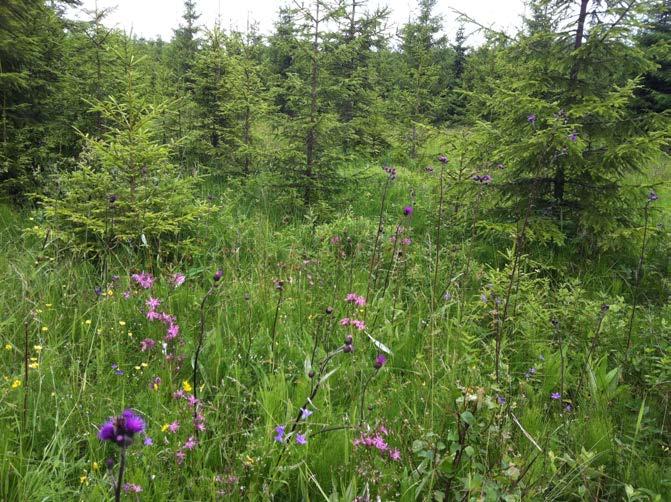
(343, 260)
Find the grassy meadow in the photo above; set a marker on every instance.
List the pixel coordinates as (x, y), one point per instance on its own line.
(567, 414)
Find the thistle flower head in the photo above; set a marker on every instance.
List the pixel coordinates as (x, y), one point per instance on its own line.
(121, 429)
(380, 361)
(407, 210)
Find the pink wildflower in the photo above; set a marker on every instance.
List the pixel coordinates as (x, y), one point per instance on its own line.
(345, 321)
(180, 456)
(144, 280)
(147, 344)
(153, 303)
(191, 443)
(174, 427)
(173, 332)
(360, 325)
(178, 279)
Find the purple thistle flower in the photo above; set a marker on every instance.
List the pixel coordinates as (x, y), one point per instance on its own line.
(300, 439)
(407, 210)
(121, 429)
(555, 395)
(380, 361)
(280, 433)
(218, 275)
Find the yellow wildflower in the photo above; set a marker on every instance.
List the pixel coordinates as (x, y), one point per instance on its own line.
(144, 365)
(48, 305)
(122, 323)
(34, 366)
(84, 479)
(165, 427)
(186, 386)
(16, 383)
(37, 348)
(8, 346)
(95, 466)
(88, 321)
(44, 329)
(110, 292)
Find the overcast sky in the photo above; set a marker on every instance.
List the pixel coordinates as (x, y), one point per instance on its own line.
(151, 18)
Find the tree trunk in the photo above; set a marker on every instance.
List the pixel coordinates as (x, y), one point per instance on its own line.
(311, 142)
(560, 176)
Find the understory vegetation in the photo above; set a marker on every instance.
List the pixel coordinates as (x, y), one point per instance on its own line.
(328, 265)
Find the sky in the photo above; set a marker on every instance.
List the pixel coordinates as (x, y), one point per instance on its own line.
(151, 18)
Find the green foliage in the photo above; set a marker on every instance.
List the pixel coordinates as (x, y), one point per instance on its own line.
(124, 191)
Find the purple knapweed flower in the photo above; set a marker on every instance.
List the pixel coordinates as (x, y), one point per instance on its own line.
(126, 294)
(360, 325)
(573, 136)
(532, 118)
(395, 455)
(345, 321)
(408, 210)
(113, 198)
(98, 290)
(555, 395)
(442, 159)
(218, 275)
(121, 429)
(174, 426)
(279, 437)
(192, 400)
(501, 400)
(300, 439)
(178, 394)
(179, 457)
(380, 361)
(652, 196)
